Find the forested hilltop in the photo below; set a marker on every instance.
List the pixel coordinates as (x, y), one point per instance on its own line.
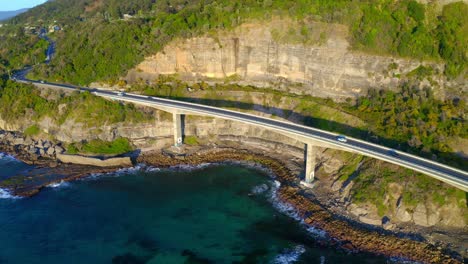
(103, 39)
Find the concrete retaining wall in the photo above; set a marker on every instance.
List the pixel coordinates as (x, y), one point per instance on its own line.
(111, 162)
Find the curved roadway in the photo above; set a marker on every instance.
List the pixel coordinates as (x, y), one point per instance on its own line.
(452, 176)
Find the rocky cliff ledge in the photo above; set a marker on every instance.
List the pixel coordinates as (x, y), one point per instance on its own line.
(270, 54)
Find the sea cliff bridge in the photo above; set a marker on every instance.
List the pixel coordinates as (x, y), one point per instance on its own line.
(311, 137)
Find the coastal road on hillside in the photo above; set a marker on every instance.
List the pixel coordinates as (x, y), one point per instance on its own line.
(452, 176)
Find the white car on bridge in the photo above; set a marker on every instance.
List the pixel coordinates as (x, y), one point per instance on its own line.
(341, 138)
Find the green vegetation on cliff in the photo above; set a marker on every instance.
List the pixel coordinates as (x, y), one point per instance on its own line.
(383, 184)
(32, 130)
(18, 50)
(20, 102)
(97, 146)
(98, 44)
(413, 120)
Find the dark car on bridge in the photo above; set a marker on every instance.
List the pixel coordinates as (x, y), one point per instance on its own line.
(393, 153)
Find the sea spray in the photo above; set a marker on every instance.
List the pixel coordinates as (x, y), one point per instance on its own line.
(5, 194)
(120, 172)
(290, 255)
(7, 157)
(290, 211)
(57, 185)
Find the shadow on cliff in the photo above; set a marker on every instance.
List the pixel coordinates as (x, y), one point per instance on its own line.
(449, 158)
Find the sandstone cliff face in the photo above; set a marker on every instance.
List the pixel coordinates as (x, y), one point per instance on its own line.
(397, 212)
(252, 54)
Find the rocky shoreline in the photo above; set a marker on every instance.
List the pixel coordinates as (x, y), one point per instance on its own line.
(29, 150)
(47, 168)
(340, 232)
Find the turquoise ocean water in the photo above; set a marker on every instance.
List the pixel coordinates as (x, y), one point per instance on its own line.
(212, 214)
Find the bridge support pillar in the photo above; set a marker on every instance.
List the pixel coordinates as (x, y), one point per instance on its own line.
(177, 120)
(310, 163)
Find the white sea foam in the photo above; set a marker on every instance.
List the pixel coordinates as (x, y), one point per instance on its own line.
(141, 167)
(60, 184)
(5, 194)
(152, 169)
(322, 259)
(290, 211)
(4, 156)
(316, 232)
(290, 255)
(281, 206)
(131, 170)
(184, 167)
(401, 261)
(259, 189)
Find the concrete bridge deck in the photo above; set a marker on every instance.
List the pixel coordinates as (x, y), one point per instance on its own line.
(309, 136)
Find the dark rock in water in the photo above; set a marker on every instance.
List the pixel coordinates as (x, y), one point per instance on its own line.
(193, 258)
(128, 258)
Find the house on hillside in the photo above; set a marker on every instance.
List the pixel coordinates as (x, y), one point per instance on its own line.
(127, 16)
(31, 29)
(54, 28)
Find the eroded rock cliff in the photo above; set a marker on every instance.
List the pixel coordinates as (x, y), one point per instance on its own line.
(274, 54)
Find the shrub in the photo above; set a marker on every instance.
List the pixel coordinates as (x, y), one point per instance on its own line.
(118, 146)
(191, 140)
(72, 149)
(32, 130)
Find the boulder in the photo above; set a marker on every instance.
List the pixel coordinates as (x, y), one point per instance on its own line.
(59, 149)
(370, 221)
(47, 144)
(28, 141)
(402, 214)
(40, 144)
(388, 226)
(18, 141)
(420, 215)
(356, 210)
(33, 150)
(50, 151)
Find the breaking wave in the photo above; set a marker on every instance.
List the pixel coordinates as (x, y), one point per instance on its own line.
(191, 167)
(259, 189)
(290, 255)
(60, 184)
(5, 194)
(290, 211)
(120, 172)
(401, 261)
(4, 156)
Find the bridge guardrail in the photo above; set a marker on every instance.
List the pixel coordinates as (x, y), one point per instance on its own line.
(326, 140)
(364, 151)
(322, 131)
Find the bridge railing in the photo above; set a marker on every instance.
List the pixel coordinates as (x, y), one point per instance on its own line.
(307, 127)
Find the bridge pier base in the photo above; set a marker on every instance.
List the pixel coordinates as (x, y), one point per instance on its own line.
(177, 121)
(310, 163)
